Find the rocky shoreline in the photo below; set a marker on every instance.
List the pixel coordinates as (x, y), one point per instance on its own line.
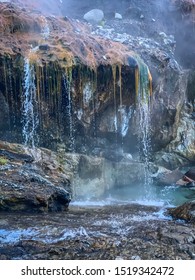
(129, 232)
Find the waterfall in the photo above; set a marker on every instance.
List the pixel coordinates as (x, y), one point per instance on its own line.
(30, 118)
(143, 91)
(67, 85)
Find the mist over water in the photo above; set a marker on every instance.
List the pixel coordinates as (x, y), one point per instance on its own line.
(168, 196)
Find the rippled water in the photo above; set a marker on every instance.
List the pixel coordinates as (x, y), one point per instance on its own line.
(117, 215)
(85, 222)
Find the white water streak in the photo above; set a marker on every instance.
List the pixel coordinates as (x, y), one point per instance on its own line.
(143, 109)
(67, 86)
(30, 107)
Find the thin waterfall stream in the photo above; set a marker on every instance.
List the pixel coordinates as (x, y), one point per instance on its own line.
(30, 114)
(67, 86)
(144, 123)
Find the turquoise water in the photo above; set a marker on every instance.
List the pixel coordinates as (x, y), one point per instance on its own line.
(167, 196)
(154, 195)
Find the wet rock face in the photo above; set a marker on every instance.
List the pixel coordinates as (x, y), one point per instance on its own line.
(94, 177)
(33, 195)
(185, 32)
(26, 186)
(59, 91)
(4, 112)
(40, 180)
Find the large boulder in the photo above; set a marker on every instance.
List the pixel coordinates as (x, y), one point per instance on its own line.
(185, 212)
(31, 193)
(94, 16)
(168, 177)
(29, 184)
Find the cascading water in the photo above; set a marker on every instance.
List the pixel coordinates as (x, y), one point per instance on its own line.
(67, 85)
(143, 92)
(115, 105)
(126, 114)
(30, 118)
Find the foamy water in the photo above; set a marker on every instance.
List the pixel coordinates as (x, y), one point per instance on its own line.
(114, 216)
(168, 196)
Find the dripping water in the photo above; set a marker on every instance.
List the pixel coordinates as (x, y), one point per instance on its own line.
(143, 112)
(67, 86)
(30, 118)
(115, 105)
(126, 114)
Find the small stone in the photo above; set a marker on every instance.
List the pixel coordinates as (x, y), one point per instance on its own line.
(119, 258)
(142, 16)
(163, 34)
(118, 16)
(128, 156)
(135, 258)
(44, 47)
(104, 57)
(153, 20)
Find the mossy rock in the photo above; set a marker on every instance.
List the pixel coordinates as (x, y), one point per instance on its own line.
(3, 161)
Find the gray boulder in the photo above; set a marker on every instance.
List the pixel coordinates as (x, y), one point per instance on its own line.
(94, 16)
(168, 177)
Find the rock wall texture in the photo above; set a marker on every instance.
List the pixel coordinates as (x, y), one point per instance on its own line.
(84, 80)
(68, 76)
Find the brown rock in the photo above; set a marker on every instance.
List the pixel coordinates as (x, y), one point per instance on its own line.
(185, 212)
(169, 178)
(29, 186)
(191, 173)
